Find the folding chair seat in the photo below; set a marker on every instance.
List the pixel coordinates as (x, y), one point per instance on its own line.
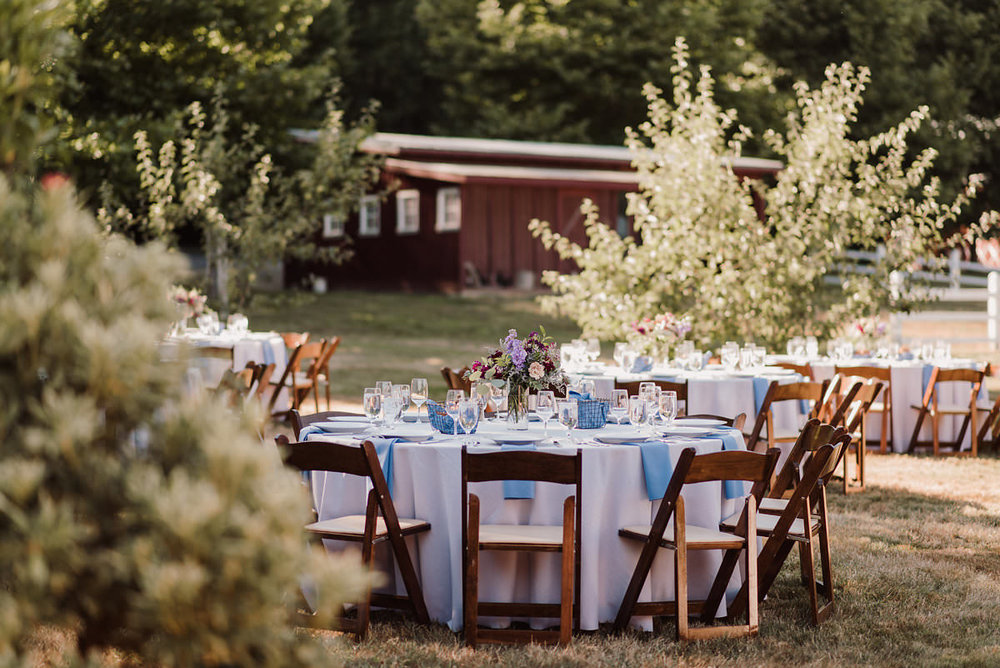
(883, 406)
(670, 530)
(933, 407)
(680, 388)
(816, 393)
(380, 523)
(801, 519)
(564, 539)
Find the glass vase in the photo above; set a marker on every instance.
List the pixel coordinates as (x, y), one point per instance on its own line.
(517, 408)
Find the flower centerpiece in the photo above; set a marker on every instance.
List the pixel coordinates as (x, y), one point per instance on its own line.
(865, 333)
(526, 364)
(189, 304)
(656, 336)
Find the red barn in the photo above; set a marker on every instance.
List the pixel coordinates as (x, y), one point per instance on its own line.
(459, 211)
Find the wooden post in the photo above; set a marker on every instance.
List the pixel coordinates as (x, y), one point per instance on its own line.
(993, 309)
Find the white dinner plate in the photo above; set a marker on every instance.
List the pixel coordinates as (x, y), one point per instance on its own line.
(698, 422)
(622, 435)
(341, 427)
(691, 432)
(349, 418)
(521, 439)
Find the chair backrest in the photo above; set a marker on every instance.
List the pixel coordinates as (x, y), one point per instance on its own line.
(804, 370)
(839, 404)
(726, 465)
(777, 392)
(880, 372)
(455, 380)
(300, 422)
(939, 375)
(734, 422)
(521, 465)
(814, 435)
(323, 362)
(294, 339)
(263, 380)
(633, 387)
(867, 393)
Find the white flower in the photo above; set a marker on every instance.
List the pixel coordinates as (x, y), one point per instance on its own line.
(536, 370)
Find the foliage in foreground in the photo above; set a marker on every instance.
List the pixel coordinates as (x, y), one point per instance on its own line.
(701, 248)
(132, 517)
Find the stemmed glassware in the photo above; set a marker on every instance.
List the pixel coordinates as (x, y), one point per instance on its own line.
(383, 387)
(569, 416)
(373, 406)
(636, 410)
(468, 416)
(730, 355)
(621, 349)
(619, 405)
(546, 408)
(418, 393)
(592, 349)
(451, 402)
(498, 393)
(668, 406)
(404, 396)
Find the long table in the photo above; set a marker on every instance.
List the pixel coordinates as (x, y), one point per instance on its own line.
(426, 483)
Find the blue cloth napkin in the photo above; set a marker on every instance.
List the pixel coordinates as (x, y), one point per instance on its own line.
(760, 386)
(268, 353)
(582, 396)
(731, 440)
(656, 467)
(518, 489)
(642, 364)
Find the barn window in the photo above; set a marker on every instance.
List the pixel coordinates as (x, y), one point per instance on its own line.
(333, 226)
(407, 212)
(370, 217)
(449, 210)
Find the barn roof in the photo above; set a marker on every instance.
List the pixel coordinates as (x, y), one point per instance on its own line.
(453, 172)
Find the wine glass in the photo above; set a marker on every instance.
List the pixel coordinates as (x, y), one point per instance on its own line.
(383, 387)
(618, 355)
(499, 390)
(568, 416)
(546, 408)
(586, 388)
(619, 405)
(746, 356)
(418, 393)
(468, 417)
(812, 347)
(668, 406)
(730, 355)
(592, 349)
(696, 360)
(451, 402)
(636, 410)
(373, 406)
(404, 395)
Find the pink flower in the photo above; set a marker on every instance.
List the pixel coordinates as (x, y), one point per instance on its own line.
(536, 370)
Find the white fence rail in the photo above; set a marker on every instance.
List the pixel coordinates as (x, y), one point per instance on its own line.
(963, 283)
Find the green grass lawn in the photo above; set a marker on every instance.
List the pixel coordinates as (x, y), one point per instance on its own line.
(396, 336)
(916, 563)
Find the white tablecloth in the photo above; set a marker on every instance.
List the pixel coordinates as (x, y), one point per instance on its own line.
(908, 385)
(426, 483)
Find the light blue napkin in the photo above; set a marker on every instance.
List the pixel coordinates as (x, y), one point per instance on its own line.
(656, 467)
(642, 364)
(580, 396)
(383, 448)
(268, 353)
(760, 386)
(731, 440)
(518, 489)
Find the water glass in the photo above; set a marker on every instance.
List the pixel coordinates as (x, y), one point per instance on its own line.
(696, 360)
(730, 355)
(498, 391)
(619, 353)
(208, 323)
(586, 388)
(746, 356)
(545, 408)
(404, 395)
(636, 410)
(238, 324)
(569, 416)
(759, 356)
(628, 360)
(619, 405)
(468, 417)
(668, 406)
(418, 393)
(592, 349)
(383, 387)
(451, 402)
(372, 401)
(812, 347)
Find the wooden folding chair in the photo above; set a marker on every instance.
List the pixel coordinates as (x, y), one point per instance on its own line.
(234, 386)
(521, 465)
(379, 524)
(680, 388)
(734, 422)
(884, 406)
(855, 424)
(813, 435)
(932, 407)
(692, 469)
(299, 382)
(455, 380)
(294, 339)
(322, 371)
(803, 521)
(989, 432)
(776, 393)
(300, 422)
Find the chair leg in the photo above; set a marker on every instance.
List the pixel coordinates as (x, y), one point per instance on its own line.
(568, 573)
(826, 563)
(471, 598)
(680, 572)
(886, 425)
(750, 548)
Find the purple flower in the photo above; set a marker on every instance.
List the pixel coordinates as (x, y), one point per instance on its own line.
(518, 355)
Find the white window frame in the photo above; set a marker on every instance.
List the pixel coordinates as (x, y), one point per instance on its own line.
(370, 216)
(405, 225)
(442, 223)
(333, 226)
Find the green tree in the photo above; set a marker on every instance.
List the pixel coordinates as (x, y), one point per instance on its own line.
(133, 518)
(701, 248)
(572, 70)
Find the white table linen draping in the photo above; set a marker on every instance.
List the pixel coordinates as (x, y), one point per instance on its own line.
(426, 484)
